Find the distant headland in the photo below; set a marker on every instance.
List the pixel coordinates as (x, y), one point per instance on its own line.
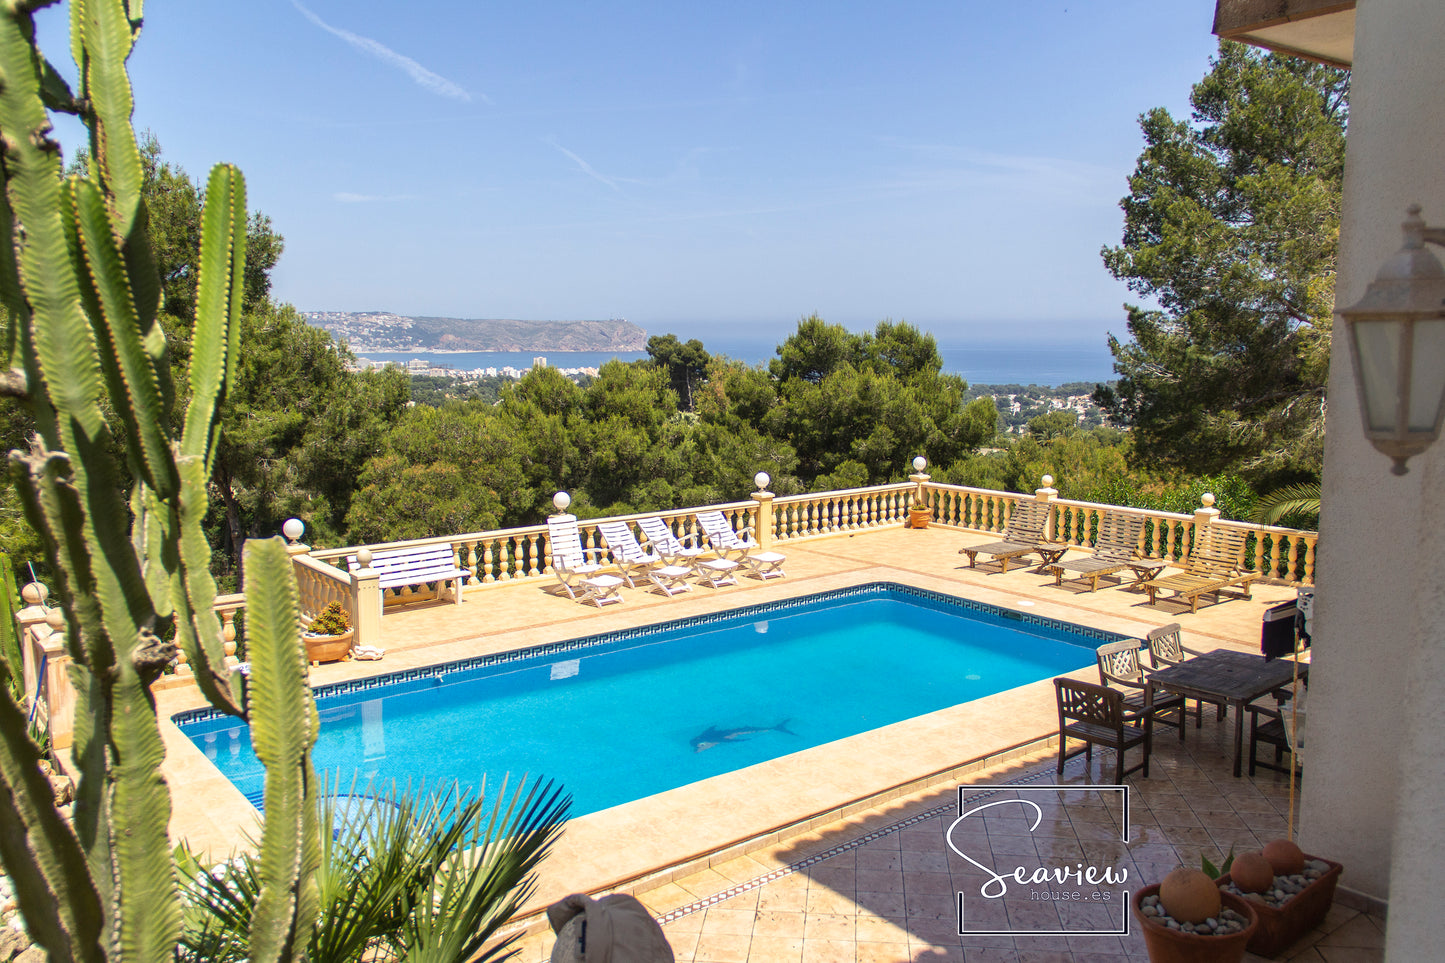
(382, 331)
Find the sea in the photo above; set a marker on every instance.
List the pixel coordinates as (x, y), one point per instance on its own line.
(1021, 363)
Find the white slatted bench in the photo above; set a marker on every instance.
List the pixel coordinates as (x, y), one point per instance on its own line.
(405, 567)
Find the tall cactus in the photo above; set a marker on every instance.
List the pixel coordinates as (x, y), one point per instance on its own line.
(79, 286)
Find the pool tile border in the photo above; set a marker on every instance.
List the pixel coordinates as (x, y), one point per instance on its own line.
(940, 601)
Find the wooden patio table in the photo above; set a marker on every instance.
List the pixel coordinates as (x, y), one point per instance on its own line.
(1237, 678)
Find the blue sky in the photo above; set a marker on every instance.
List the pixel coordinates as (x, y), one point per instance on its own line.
(688, 166)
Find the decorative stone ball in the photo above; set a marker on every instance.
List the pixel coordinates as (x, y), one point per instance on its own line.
(1286, 858)
(1207, 499)
(1189, 895)
(1252, 872)
(561, 500)
(761, 479)
(920, 463)
(1048, 480)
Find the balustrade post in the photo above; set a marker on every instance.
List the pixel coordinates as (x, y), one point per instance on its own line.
(1048, 494)
(366, 601)
(59, 693)
(1205, 515)
(763, 517)
(41, 631)
(27, 621)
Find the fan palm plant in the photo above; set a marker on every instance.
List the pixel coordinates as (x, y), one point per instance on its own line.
(416, 876)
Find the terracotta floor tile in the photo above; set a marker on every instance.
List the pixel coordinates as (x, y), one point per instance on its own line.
(1362, 931)
(882, 952)
(776, 949)
(728, 922)
(769, 923)
(882, 929)
(829, 951)
(721, 948)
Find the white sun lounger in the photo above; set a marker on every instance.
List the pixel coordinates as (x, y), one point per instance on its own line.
(720, 534)
(715, 571)
(632, 558)
(580, 578)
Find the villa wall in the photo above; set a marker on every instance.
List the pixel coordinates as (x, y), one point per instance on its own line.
(1376, 754)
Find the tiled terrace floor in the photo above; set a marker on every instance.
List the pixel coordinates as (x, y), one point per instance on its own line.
(879, 887)
(730, 824)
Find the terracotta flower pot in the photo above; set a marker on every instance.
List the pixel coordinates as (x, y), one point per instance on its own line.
(919, 517)
(1280, 927)
(327, 648)
(1171, 946)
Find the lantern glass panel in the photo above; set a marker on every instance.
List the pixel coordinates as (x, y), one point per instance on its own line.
(1378, 349)
(1427, 379)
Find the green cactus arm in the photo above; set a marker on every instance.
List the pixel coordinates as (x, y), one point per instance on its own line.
(106, 37)
(130, 371)
(216, 340)
(147, 920)
(32, 182)
(53, 885)
(198, 630)
(89, 754)
(54, 91)
(283, 730)
(12, 297)
(53, 509)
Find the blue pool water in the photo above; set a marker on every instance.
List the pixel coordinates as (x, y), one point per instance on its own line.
(622, 716)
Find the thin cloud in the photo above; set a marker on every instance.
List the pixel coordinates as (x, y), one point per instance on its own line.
(346, 197)
(435, 83)
(587, 168)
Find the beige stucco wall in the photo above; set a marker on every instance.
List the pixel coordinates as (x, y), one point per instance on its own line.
(1376, 757)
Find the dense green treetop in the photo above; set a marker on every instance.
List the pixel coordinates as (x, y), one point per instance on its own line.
(685, 364)
(1230, 228)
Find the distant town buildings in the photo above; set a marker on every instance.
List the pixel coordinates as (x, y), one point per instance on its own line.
(423, 367)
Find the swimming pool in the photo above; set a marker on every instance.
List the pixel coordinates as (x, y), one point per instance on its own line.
(621, 716)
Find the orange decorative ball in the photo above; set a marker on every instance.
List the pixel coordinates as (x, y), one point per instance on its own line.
(1189, 895)
(1286, 858)
(1251, 872)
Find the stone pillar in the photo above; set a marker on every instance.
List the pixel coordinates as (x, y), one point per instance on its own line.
(763, 520)
(41, 632)
(30, 618)
(59, 693)
(763, 517)
(1047, 493)
(1205, 515)
(366, 601)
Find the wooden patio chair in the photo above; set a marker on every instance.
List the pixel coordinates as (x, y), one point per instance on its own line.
(1119, 666)
(1215, 563)
(1024, 535)
(1114, 550)
(1096, 715)
(1167, 648)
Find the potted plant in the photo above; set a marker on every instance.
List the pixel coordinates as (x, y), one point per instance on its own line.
(1188, 919)
(919, 516)
(1291, 893)
(328, 637)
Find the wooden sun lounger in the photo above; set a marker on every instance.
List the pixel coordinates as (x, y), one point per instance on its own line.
(1215, 564)
(1023, 536)
(1114, 550)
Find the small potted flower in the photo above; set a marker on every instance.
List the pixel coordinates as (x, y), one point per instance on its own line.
(328, 637)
